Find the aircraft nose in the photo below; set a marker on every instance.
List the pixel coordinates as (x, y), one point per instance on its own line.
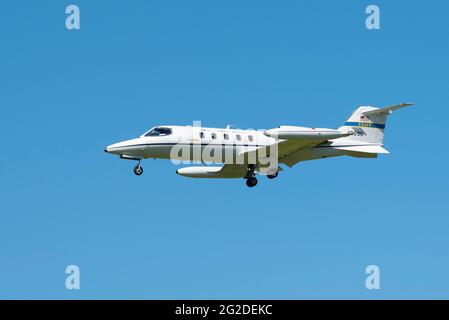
(128, 147)
(110, 149)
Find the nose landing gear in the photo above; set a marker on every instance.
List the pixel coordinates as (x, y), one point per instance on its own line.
(138, 169)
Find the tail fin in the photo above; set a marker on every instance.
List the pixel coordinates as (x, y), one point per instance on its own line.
(368, 123)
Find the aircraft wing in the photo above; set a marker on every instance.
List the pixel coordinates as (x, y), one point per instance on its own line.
(231, 171)
(290, 139)
(284, 148)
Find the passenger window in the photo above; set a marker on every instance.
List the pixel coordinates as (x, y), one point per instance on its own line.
(250, 138)
(214, 136)
(238, 137)
(226, 136)
(202, 135)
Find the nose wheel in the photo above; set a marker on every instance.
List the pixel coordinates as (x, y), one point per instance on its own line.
(138, 170)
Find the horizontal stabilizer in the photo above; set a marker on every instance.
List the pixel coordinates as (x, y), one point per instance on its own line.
(365, 149)
(387, 110)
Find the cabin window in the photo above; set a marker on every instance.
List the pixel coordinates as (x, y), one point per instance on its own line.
(214, 136)
(238, 137)
(202, 135)
(158, 132)
(226, 136)
(250, 138)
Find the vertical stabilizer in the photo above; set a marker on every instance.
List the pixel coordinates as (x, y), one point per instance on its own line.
(368, 123)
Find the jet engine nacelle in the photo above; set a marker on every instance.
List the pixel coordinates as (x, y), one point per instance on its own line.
(291, 132)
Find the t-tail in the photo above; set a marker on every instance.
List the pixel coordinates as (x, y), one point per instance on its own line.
(367, 125)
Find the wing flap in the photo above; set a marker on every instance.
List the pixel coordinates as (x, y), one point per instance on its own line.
(365, 149)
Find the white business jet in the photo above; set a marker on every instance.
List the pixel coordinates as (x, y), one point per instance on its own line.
(246, 153)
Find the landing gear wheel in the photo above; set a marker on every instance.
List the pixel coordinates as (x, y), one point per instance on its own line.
(251, 182)
(138, 170)
(272, 176)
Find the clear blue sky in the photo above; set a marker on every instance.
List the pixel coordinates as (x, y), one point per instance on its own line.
(255, 64)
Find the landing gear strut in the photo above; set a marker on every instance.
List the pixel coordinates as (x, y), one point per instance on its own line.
(251, 180)
(138, 169)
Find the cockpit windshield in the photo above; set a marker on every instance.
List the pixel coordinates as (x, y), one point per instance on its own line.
(158, 132)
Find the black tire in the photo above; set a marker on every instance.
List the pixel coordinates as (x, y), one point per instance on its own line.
(251, 182)
(272, 176)
(138, 170)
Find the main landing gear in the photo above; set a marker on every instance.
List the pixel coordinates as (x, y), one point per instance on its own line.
(138, 169)
(251, 180)
(272, 176)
